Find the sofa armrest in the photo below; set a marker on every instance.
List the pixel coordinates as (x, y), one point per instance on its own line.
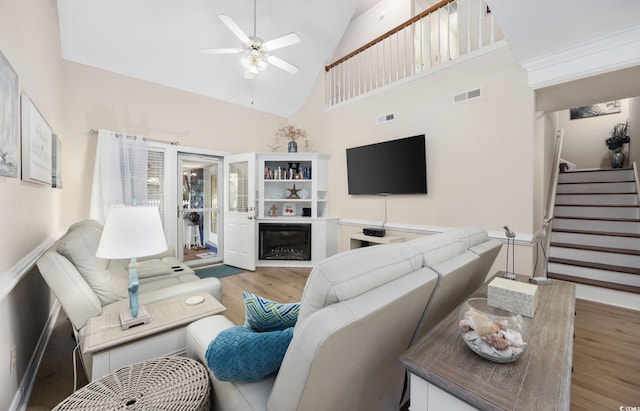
(200, 333)
(153, 268)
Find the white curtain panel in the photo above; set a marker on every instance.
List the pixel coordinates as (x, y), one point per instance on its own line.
(119, 172)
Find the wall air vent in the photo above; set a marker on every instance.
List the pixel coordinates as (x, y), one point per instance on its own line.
(467, 95)
(385, 118)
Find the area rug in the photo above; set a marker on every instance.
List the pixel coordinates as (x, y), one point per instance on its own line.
(218, 271)
(207, 255)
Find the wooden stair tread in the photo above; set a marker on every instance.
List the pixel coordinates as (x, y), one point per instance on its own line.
(599, 266)
(594, 248)
(597, 170)
(596, 182)
(597, 283)
(597, 193)
(598, 205)
(591, 232)
(624, 220)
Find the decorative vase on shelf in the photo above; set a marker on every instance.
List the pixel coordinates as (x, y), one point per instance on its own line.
(617, 158)
(293, 147)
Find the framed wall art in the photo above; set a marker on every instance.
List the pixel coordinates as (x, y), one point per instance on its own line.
(56, 161)
(9, 119)
(36, 144)
(600, 109)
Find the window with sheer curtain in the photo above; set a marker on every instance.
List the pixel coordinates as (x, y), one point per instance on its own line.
(155, 179)
(120, 172)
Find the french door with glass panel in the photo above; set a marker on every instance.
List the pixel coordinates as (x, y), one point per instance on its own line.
(199, 215)
(240, 211)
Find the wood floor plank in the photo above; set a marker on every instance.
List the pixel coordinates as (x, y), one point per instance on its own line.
(606, 362)
(284, 285)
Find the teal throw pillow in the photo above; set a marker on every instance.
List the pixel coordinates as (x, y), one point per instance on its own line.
(266, 315)
(241, 354)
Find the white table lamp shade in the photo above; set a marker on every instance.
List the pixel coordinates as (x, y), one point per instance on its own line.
(131, 232)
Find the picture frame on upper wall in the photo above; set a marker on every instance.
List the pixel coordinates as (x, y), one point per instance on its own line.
(9, 119)
(593, 110)
(36, 144)
(56, 161)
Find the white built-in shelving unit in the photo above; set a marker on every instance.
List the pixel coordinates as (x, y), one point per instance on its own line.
(297, 183)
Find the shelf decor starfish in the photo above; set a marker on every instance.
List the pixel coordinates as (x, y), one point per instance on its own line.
(294, 192)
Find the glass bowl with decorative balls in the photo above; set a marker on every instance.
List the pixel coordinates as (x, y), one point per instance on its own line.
(492, 333)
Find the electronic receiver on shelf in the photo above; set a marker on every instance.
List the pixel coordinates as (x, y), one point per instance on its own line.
(375, 232)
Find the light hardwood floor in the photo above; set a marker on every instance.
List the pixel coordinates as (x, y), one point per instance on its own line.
(606, 360)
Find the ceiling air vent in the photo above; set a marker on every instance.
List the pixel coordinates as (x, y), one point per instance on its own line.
(467, 95)
(385, 118)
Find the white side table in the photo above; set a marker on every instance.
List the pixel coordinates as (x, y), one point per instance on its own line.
(358, 240)
(109, 348)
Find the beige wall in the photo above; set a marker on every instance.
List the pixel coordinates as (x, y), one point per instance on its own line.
(479, 153)
(29, 213)
(97, 98)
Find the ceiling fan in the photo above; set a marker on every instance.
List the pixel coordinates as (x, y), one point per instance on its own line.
(256, 51)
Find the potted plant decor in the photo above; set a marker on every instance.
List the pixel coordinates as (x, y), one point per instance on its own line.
(291, 133)
(619, 137)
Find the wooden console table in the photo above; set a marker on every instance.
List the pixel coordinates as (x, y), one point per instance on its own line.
(111, 348)
(446, 374)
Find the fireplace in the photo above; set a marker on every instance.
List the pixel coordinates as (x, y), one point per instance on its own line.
(284, 242)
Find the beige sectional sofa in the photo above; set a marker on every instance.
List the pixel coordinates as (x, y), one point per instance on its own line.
(360, 310)
(88, 286)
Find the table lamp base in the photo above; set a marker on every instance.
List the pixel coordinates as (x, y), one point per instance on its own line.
(127, 320)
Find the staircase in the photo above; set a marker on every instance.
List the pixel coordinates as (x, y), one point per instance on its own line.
(595, 235)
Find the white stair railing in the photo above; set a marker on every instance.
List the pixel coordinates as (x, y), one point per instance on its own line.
(442, 33)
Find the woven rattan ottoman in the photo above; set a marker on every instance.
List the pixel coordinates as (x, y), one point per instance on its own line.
(167, 383)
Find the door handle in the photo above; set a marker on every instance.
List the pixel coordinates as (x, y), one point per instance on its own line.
(250, 217)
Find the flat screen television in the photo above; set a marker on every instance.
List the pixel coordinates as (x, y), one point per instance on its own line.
(391, 167)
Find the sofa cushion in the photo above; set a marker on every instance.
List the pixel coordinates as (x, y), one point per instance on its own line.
(262, 314)
(79, 246)
(352, 273)
(244, 355)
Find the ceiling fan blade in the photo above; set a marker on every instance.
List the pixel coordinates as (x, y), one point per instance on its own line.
(220, 51)
(228, 21)
(283, 41)
(281, 64)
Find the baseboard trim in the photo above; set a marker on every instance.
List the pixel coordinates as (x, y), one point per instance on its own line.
(609, 297)
(21, 397)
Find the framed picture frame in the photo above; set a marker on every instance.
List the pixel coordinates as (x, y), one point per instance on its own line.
(9, 119)
(288, 209)
(593, 110)
(56, 161)
(36, 144)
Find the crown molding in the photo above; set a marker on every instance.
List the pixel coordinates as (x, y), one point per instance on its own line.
(605, 54)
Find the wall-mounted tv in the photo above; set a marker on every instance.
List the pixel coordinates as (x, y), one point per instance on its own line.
(391, 167)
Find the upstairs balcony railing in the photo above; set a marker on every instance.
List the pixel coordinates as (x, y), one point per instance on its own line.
(443, 32)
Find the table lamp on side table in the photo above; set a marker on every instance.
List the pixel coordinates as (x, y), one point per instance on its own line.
(131, 232)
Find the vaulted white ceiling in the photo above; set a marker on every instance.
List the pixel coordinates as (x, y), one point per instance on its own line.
(160, 41)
